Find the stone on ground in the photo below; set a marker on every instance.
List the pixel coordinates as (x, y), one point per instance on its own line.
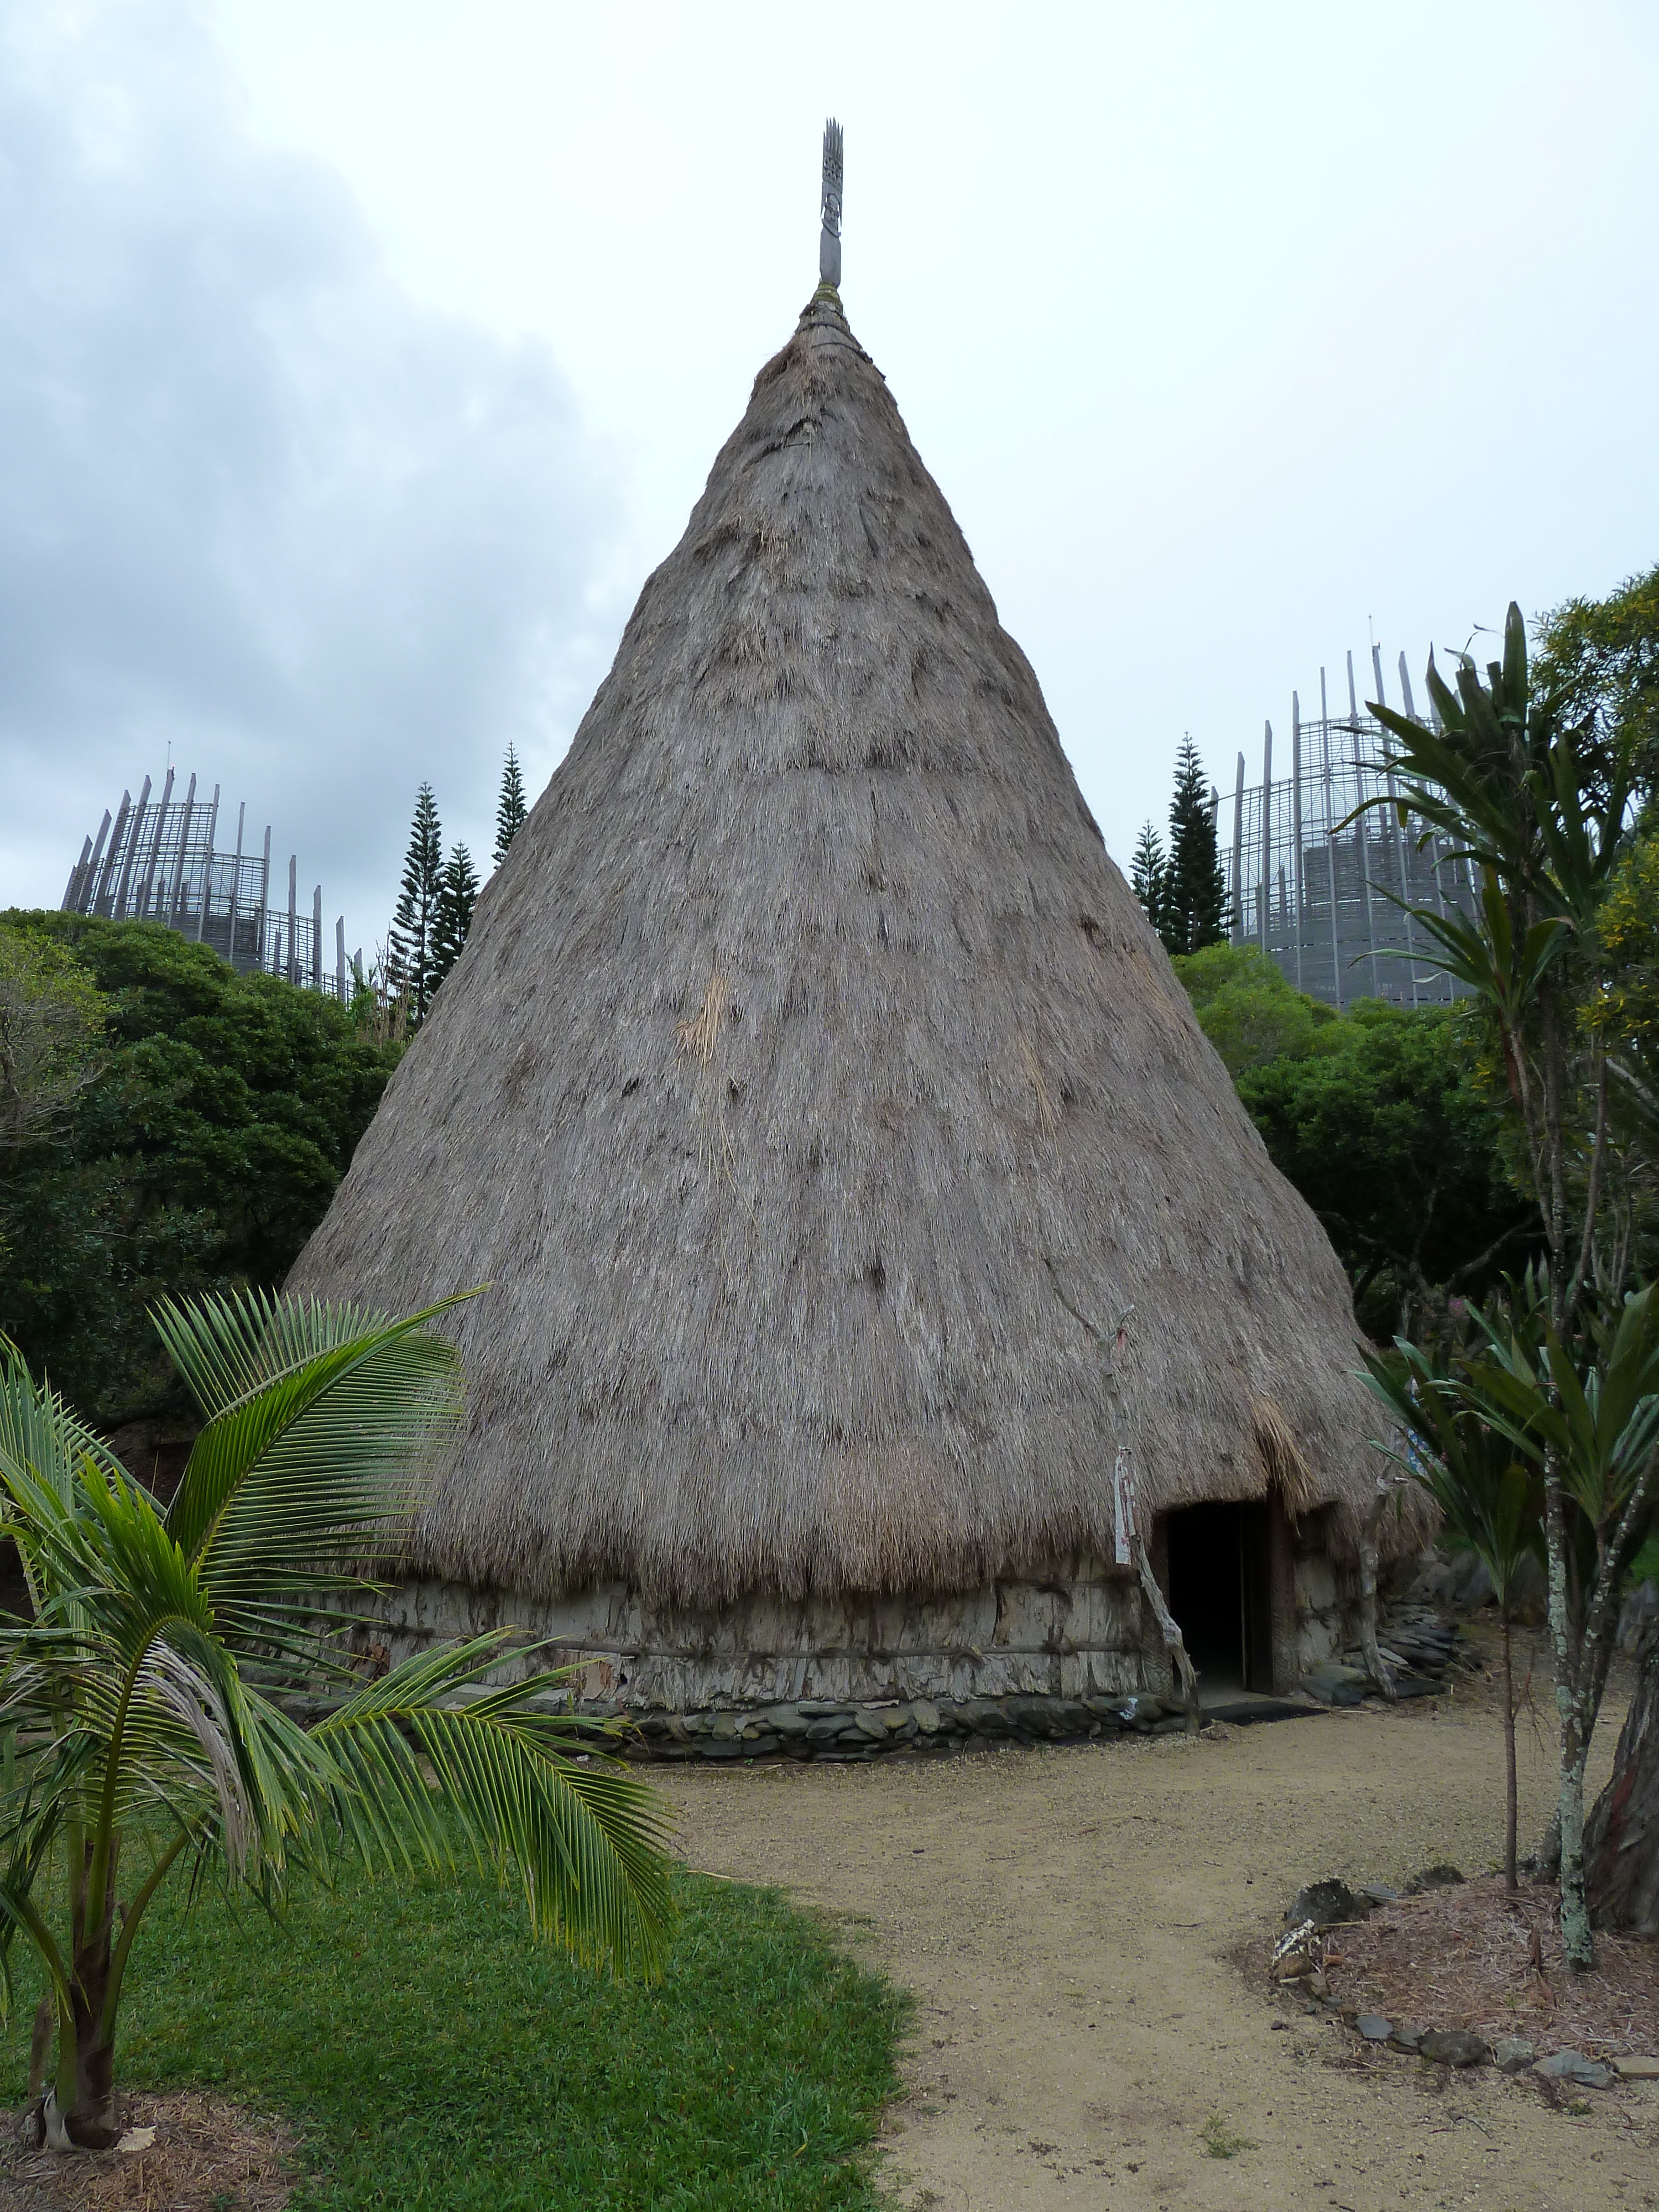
(1455, 2046)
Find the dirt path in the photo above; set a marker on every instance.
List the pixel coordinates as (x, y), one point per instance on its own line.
(1065, 1918)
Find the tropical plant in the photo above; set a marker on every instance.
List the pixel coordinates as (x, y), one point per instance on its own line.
(1622, 1867)
(1599, 658)
(1386, 1127)
(51, 1033)
(1539, 805)
(1248, 1009)
(1589, 1409)
(458, 894)
(414, 923)
(151, 1699)
(1488, 1494)
(191, 1142)
(1147, 872)
(510, 808)
(1383, 1119)
(1192, 893)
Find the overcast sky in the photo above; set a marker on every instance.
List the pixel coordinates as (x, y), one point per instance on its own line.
(359, 358)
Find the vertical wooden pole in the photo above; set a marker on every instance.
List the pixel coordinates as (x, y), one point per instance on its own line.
(207, 866)
(135, 830)
(1361, 829)
(1267, 827)
(236, 880)
(264, 905)
(156, 847)
(75, 890)
(90, 882)
(1330, 835)
(1296, 827)
(172, 914)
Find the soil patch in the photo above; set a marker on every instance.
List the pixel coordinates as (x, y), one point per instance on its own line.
(1464, 1958)
(206, 2156)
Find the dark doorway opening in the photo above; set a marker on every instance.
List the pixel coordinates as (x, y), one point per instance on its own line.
(1221, 1593)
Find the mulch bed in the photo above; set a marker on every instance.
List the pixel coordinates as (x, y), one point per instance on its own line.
(207, 2157)
(1478, 1956)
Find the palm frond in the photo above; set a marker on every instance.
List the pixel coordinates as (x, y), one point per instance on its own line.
(326, 1425)
(43, 1447)
(586, 1841)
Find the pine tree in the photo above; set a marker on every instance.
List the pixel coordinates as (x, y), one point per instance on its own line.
(511, 809)
(1147, 872)
(412, 928)
(458, 894)
(1193, 892)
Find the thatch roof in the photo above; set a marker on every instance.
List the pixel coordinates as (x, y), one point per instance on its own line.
(815, 1098)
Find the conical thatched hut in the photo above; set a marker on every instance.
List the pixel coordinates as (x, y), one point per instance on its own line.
(817, 1103)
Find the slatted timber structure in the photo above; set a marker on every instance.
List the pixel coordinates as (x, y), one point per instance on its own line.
(160, 859)
(1325, 891)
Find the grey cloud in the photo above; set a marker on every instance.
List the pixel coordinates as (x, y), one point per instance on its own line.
(254, 499)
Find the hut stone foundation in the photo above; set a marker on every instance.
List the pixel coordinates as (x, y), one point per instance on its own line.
(1084, 1632)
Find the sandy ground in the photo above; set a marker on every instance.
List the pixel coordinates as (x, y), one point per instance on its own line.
(1068, 1921)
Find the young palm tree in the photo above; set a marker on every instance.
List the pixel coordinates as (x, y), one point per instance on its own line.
(148, 1701)
(1491, 1502)
(1540, 805)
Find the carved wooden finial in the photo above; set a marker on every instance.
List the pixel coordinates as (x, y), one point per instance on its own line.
(830, 236)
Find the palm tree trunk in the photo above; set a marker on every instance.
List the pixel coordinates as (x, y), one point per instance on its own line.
(80, 2111)
(1370, 1528)
(1576, 1938)
(1621, 1838)
(1511, 1808)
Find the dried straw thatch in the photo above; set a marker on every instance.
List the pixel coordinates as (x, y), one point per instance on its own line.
(815, 1100)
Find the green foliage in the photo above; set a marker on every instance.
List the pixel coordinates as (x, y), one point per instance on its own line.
(415, 924)
(1387, 1132)
(458, 894)
(1380, 1118)
(510, 808)
(1599, 658)
(1147, 872)
(220, 1113)
(150, 1684)
(1627, 1009)
(432, 2059)
(1489, 1495)
(1192, 893)
(1222, 2142)
(1248, 1010)
(1586, 1407)
(52, 1018)
(1540, 808)
(1539, 797)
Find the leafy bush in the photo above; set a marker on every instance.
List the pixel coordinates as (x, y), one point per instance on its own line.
(1248, 1010)
(220, 1117)
(1381, 1118)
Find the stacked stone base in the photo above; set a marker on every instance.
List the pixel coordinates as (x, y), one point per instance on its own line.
(1069, 1653)
(818, 1729)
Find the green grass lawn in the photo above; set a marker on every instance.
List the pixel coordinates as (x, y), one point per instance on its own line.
(431, 2056)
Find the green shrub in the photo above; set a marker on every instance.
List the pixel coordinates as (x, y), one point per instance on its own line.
(200, 1155)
